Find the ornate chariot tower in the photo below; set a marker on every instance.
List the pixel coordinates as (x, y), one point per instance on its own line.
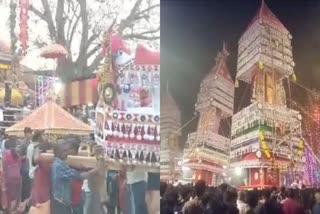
(169, 134)
(207, 152)
(266, 136)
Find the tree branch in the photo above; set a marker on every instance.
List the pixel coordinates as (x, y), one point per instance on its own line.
(92, 38)
(142, 35)
(48, 19)
(149, 8)
(60, 23)
(95, 63)
(93, 50)
(85, 31)
(124, 23)
(73, 30)
(74, 16)
(37, 12)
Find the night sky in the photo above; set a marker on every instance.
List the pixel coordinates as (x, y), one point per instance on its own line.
(192, 33)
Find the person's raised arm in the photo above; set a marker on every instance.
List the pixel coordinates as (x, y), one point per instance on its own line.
(99, 168)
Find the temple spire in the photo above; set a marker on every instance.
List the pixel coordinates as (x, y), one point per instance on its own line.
(224, 49)
(261, 8)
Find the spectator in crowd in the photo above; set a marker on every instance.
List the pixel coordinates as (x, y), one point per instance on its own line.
(195, 205)
(241, 203)
(268, 205)
(316, 207)
(292, 205)
(12, 187)
(252, 200)
(26, 181)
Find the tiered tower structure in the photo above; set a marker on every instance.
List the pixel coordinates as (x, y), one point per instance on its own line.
(207, 152)
(266, 136)
(170, 133)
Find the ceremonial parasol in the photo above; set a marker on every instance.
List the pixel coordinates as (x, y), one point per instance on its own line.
(54, 51)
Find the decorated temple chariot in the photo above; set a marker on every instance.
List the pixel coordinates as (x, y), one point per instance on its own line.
(128, 108)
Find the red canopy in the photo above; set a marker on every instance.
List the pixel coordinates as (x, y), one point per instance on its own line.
(145, 56)
(118, 43)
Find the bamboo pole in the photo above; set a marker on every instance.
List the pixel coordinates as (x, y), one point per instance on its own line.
(111, 164)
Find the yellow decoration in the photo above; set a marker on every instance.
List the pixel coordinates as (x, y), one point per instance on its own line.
(294, 77)
(301, 148)
(5, 67)
(301, 145)
(264, 145)
(267, 153)
(16, 97)
(261, 65)
(236, 84)
(262, 137)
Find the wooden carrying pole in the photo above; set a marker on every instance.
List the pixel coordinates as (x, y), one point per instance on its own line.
(111, 164)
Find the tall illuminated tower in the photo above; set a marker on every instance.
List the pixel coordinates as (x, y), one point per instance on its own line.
(207, 152)
(266, 135)
(169, 132)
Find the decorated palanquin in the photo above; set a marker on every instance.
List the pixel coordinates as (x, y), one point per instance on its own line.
(54, 120)
(128, 109)
(266, 135)
(206, 150)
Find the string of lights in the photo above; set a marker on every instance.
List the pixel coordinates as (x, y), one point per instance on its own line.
(312, 129)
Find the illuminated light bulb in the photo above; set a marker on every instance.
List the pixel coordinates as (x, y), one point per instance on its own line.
(238, 171)
(57, 87)
(236, 84)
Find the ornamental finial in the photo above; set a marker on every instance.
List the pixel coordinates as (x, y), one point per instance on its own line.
(224, 49)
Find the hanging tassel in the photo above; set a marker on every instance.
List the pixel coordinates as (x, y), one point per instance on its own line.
(236, 84)
(294, 77)
(261, 65)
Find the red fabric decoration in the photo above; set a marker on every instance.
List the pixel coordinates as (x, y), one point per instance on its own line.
(146, 57)
(94, 83)
(24, 8)
(118, 43)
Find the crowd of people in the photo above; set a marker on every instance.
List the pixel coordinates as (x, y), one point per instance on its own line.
(224, 199)
(33, 183)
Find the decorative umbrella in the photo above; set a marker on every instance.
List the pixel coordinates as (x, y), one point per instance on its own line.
(36, 63)
(54, 51)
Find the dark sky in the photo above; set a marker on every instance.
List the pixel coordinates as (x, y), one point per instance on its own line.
(192, 33)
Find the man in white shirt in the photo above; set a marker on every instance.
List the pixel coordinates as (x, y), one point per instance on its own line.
(136, 192)
(38, 138)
